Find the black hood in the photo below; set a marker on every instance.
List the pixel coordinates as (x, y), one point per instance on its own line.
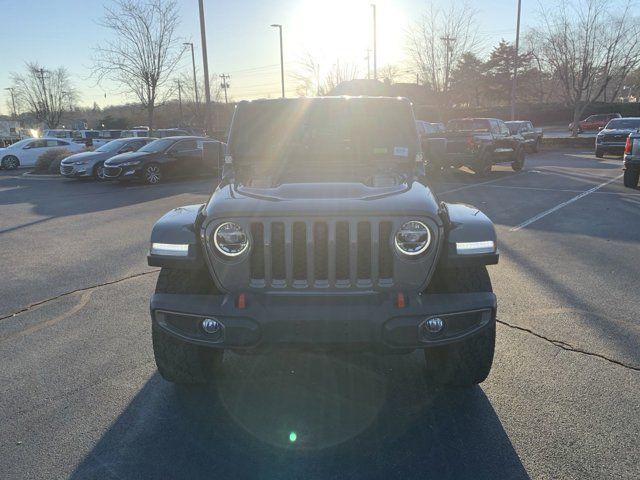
(333, 199)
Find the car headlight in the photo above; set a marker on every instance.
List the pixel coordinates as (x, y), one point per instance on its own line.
(230, 239)
(132, 163)
(413, 238)
(81, 162)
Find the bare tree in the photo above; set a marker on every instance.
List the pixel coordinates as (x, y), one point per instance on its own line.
(310, 80)
(438, 40)
(46, 93)
(390, 73)
(588, 49)
(144, 50)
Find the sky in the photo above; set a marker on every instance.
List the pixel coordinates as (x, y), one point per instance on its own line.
(240, 41)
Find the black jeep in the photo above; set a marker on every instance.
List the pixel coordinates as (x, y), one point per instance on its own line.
(323, 235)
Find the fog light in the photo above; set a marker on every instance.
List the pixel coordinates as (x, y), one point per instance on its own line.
(213, 328)
(430, 328)
(434, 325)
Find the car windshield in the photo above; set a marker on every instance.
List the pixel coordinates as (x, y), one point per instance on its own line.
(514, 127)
(468, 125)
(158, 145)
(331, 131)
(112, 146)
(624, 124)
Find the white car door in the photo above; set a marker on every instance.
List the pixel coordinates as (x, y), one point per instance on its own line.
(31, 152)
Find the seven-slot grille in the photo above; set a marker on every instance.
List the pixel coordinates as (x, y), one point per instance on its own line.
(321, 254)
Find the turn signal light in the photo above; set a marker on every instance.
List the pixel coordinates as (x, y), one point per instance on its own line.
(627, 146)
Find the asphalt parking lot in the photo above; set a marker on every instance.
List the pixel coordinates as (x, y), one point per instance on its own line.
(81, 397)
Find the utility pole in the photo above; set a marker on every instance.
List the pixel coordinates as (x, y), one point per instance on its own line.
(515, 65)
(195, 81)
(447, 41)
(209, 125)
(225, 85)
(375, 46)
(180, 102)
(279, 27)
(14, 114)
(368, 57)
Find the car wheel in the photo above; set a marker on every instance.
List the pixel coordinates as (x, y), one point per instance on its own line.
(178, 361)
(152, 174)
(518, 163)
(599, 154)
(10, 162)
(631, 178)
(468, 362)
(98, 172)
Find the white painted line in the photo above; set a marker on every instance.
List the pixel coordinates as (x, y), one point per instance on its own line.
(478, 184)
(564, 204)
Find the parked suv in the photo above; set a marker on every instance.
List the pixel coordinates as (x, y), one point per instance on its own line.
(613, 138)
(595, 122)
(323, 235)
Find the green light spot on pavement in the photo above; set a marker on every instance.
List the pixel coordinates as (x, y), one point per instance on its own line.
(293, 437)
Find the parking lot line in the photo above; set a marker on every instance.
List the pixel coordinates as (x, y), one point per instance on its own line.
(565, 190)
(563, 204)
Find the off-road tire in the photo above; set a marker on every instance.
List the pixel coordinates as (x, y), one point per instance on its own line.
(518, 163)
(466, 363)
(536, 146)
(631, 177)
(177, 361)
(599, 154)
(10, 162)
(482, 165)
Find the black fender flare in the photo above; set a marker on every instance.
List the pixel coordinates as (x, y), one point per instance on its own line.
(466, 224)
(179, 226)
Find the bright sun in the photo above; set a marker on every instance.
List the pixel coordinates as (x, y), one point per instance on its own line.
(343, 29)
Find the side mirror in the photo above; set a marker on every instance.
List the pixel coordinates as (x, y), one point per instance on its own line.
(600, 128)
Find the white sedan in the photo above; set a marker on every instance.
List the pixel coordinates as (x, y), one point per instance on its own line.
(25, 152)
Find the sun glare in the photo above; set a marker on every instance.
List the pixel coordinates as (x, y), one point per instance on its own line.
(342, 30)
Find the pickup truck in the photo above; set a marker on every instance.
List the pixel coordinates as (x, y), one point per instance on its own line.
(476, 143)
(532, 137)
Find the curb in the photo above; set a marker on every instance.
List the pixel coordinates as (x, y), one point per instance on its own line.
(44, 176)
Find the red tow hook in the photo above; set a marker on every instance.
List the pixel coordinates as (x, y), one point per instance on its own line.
(401, 300)
(241, 301)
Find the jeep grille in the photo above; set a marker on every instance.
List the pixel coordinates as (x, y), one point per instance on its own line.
(302, 254)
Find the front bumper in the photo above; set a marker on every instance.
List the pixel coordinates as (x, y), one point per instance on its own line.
(610, 147)
(372, 320)
(122, 173)
(75, 171)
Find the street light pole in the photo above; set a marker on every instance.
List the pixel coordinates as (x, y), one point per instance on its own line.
(13, 101)
(375, 46)
(195, 81)
(515, 65)
(205, 65)
(180, 102)
(279, 27)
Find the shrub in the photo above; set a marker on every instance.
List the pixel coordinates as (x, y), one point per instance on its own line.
(49, 161)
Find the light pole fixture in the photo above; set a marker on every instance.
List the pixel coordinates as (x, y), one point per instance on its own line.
(515, 65)
(279, 27)
(195, 81)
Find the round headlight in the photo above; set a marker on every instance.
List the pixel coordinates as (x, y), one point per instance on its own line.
(413, 238)
(230, 239)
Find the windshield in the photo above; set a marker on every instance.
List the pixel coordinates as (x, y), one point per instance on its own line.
(158, 145)
(623, 124)
(112, 146)
(468, 125)
(332, 131)
(514, 127)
